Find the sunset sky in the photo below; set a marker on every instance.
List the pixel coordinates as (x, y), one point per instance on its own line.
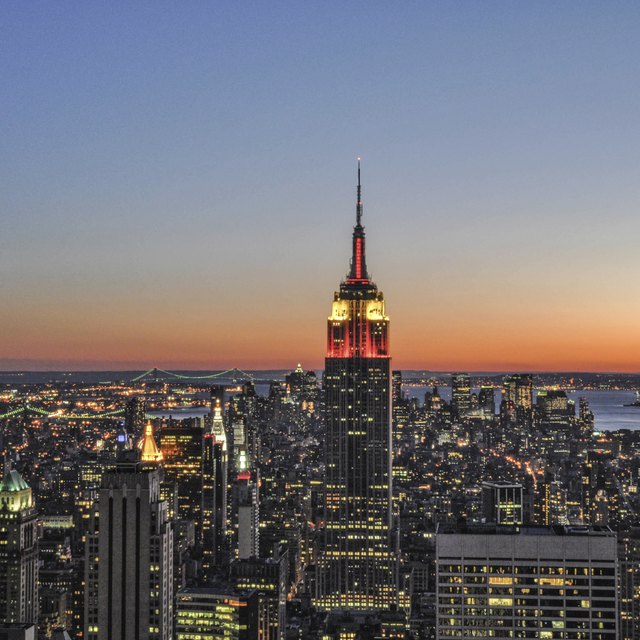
(178, 181)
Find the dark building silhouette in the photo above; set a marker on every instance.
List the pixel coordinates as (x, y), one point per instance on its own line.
(129, 564)
(214, 495)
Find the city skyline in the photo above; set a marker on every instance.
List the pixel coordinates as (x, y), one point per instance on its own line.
(214, 421)
(178, 197)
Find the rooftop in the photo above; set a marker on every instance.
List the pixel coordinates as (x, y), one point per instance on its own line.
(13, 481)
(526, 530)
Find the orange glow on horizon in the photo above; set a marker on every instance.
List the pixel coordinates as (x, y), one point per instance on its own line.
(282, 347)
(275, 327)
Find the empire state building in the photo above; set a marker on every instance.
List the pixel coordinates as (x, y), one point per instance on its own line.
(357, 557)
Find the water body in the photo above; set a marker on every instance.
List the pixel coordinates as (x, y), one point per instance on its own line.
(607, 406)
(609, 410)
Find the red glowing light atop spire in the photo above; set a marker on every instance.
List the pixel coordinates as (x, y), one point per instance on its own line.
(358, 272)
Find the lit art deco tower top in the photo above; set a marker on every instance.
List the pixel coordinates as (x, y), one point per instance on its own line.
(358, 326)
(357, 559)
(149, 451)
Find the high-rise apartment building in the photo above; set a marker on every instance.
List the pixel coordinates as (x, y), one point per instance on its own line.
(18, 551)
(357, 559)
(526, 582)
(129, 558)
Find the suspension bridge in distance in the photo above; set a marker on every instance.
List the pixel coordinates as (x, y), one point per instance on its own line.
(59, 413)
(156, 374)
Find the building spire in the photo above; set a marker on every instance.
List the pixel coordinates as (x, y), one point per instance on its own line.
(359, 200)
(358, 272)
(217, 427)
(149, 451)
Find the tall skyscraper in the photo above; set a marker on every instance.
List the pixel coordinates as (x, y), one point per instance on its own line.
(518, 396)
(18, 551)
(357, 560)
(460, 394)
(181, 443)
(245, 515)
(518, 389)
(555, 413)
(214, 493)
(129, 563)
(134, 415)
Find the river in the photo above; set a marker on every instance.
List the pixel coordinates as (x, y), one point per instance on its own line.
(607, 406)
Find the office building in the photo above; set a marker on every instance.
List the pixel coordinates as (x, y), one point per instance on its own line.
(134, 416)
(181, 444)
(18, 551)
(214, 494)
(268, 576)
(460, 395)
(357, 559)
(629, 572)
(502, 502)
(129, 559)
(214, 613)
(487, 402)
(526, 582)
(554, 415)
(245, 516)
(518, 388)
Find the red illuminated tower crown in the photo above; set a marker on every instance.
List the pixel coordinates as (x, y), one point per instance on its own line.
(358, 326)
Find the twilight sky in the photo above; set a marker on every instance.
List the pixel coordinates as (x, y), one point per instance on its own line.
(178, 181)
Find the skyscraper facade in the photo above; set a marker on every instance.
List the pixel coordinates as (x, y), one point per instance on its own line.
(129, 565)
(460, 394)
(181, 444)
(357, 557)
(213, 613)
(18, 551)
(502, 502)
(526, 582)
(214, 493)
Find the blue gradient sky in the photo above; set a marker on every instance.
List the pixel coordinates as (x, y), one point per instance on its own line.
(178, 181)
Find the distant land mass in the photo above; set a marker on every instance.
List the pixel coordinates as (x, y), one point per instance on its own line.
(566, 379)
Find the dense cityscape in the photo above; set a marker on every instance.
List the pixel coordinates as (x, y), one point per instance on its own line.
(357, 502)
